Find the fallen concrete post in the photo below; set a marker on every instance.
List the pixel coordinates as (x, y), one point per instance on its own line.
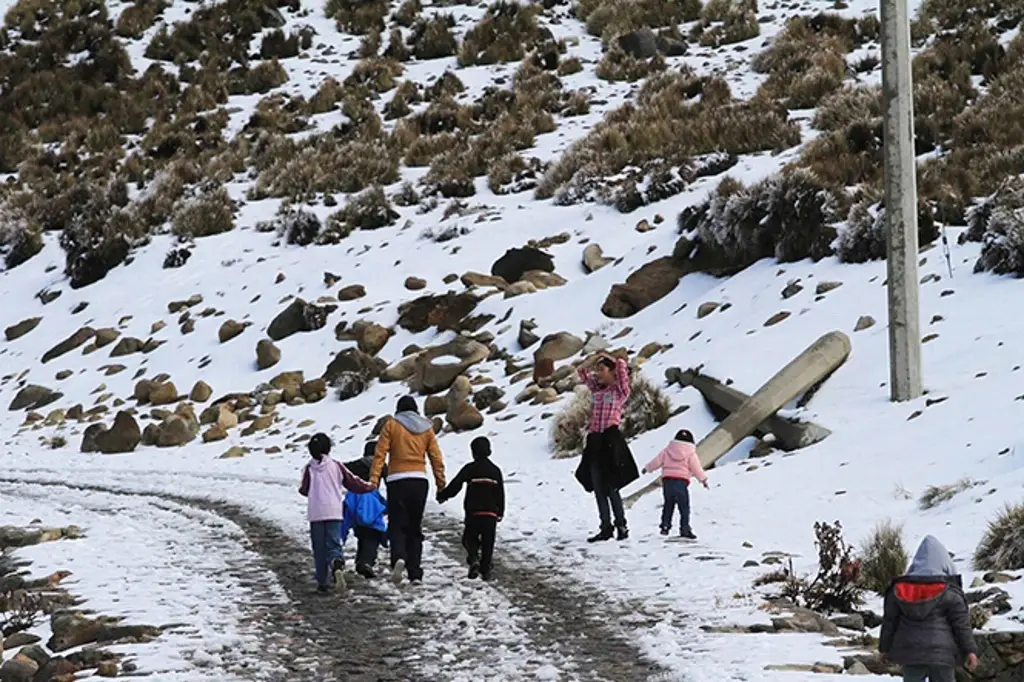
(724, 400)
(812, 366)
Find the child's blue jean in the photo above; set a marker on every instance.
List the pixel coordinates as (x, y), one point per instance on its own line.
(326, 539)
(677, 494)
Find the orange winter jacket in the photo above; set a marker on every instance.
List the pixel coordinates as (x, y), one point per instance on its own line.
(405, 443)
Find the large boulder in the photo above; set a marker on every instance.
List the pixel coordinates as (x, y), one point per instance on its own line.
(267, 354)
(353, 361)
(201, 392)
(511, 266)
(127, 346)
(594, 258)
(650, 283)
(644, 43)
(560, 346)
(370, 337)
(162, 394)
(299, 316)
(34, 397)
(124, 435)
(445, 311)
(230, 329)
(16, 331)
(176, 430)
(435, 369)
(69, 344)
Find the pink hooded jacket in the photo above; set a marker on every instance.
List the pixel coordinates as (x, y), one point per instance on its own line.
(678, 460)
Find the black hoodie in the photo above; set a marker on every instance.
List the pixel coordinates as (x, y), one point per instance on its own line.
(485, 487)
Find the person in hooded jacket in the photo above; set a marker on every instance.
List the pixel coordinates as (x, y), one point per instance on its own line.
(365, 515)
(484, 506)
(405, 444)
(679, 463)
(926, 627)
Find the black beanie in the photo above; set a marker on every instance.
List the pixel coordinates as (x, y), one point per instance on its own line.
(406, 404)
(481, 448)
(684, 435)
(319, 444)
(369, 448)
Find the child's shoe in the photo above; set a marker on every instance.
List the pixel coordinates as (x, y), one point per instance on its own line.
(338, 571)
(622, 533)
(688, 534)
(321, 589)
(398, 572)
(474, 570)
(365, 570)
(664, 531)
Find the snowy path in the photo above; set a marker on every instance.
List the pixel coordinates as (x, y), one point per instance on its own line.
(531, 623)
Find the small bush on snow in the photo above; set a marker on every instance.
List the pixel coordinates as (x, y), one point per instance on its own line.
(209, 211)
(648, 408)
(934, 495)
(863, 237)
(369, 210)
(883, 557)
(298, 225)
(836, 587)
(18, 240)
(998, 222)
(1002, 546)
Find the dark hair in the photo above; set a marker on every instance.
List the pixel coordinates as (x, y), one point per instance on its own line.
(369, 448)
(684, 435)
(607, 362)
(406, 404)
(320, 444)
(480, 447)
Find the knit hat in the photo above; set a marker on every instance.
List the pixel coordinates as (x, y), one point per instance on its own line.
(684, 435)
(369, 448)
(406, 404)
(320, 444)
(480, 447)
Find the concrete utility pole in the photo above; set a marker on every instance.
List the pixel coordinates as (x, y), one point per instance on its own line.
(900, 203)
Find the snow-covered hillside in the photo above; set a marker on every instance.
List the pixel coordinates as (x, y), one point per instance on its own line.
(654, 594)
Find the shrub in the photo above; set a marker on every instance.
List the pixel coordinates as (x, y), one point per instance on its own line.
(609, 19)
(326, 97)
(406, 195)
(979, 616)
(883, 557)
(787, 216)
(358, 16)
(407, 14)
(848, 105)
(445, 234)
(676, 116)
(836, 585)
(376, 73)
(276, 45)
(569, 66)
(138, 17)
(97, 239)
(369, 210)
(19, 241)
(1002, 546)
(646, 409)
(19, 611)
(323, 164)
(934, 495)
(617, 65)
(862, 238)
(577, 103)
(512, 174)
(297, 225)
(433, 38)
(724, 22)
(505, 34)
(205, 212)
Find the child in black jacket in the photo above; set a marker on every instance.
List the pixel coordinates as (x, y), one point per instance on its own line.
(484, 505)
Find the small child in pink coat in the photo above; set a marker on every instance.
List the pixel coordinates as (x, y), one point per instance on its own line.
(679, 463)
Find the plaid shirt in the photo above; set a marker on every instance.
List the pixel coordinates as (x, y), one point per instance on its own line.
(608, 400)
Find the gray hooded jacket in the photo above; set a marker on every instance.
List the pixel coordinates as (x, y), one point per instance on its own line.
(926, 620)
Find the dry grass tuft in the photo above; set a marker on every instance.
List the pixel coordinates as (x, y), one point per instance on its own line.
(433, 38)
(725, 22)
(934, 495)
(862, 238)
(676, 116)
(617, 65)
(505, 34)
(609, 19)
(1002, 546)
(883, 557)
(378, 74)
(358, 16)
(138, 17)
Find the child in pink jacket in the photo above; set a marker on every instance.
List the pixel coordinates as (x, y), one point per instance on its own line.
(679, 463)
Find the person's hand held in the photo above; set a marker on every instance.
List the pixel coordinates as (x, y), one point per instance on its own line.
(972, 662)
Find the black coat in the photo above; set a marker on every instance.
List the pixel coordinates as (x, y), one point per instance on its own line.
(926, 622)
(485, 488)
(610, 452)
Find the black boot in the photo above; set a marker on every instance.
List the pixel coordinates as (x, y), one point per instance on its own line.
(365, 570)
(474, 570)
(606, 533)
(622, 533)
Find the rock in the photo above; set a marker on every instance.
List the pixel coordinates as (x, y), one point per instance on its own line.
(511, 266)
(542, 369)
(261, 423)
(176, 431)
(74, 341)
(163, 394)
(445, 312)
(434, 404)
(19, 639)
(519, 288)
(34, 397)
(558, 346)
(643, 226)
(353, 361)
(858, 668)
(235, 452)
(804, 620)
(352, 292)
(127, 346)
(370, 337)
(543, 280)
(111, 370)
(776, 318)
(63, 374)
(201, 392)
(349, 385)
(106, 336)
(487, 396)
(652, 282)
(478, 279)
(436, 368)
(106, 669)
(175, 307)
(415, 283)
(225, 418)
(313, 390)
(20, 668)
(267, 354)
(640, 44)
(793, 287)
(848, 621)
(298, 317)
(16, 331)
(157, 326)
(706, 308)
(864, 322)
(594, 258)
(526, 336)
(73, 629)
(214, 433)
(463, 416)
(230, 330)
(825, 287)
(995, 577)
(123, 436)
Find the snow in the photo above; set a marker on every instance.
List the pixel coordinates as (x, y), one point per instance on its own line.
(139, 559)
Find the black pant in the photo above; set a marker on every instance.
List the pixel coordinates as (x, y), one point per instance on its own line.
(366, 549)
(407, 499)
(606, 494)
(478, 539)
